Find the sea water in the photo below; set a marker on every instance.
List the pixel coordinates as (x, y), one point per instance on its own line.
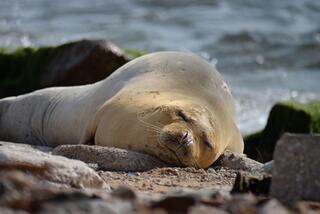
(266, 50)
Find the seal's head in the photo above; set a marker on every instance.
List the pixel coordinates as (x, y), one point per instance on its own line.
(187, 135)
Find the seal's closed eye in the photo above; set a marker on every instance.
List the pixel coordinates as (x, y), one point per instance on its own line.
(206, 141)
(182, 116)
(208, 144)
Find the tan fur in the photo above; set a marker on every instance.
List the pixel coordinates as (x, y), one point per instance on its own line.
(150, 105)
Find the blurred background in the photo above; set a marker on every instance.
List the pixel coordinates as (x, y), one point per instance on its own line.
(266, 50)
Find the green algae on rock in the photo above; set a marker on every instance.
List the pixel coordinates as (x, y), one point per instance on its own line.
(132, 53)
(74, 63)
(21, 70)
(288, 116)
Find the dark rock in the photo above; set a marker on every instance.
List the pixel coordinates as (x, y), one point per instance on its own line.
(258, 185)
(284, 117)
(174, 204)
(82, 62)
(296, 168)
(51, 168)
(74, 63)
(108, 158)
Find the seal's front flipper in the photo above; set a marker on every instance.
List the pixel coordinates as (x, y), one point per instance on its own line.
(87, 136)
(236, 141)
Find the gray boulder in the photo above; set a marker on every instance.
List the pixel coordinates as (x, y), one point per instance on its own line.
(296, 170)
(55, 169)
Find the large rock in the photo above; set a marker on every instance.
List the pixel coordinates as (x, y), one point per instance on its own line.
(75, 63)
(22, 192)
(284, 117)
(296, 170)
(55, 169)
(112, 159)
(81, 203)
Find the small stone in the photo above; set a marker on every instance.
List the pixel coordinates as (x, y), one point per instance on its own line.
(296, 168)
(206, 210)
(241, 203)
(267, 168)
(273, 206)
(125, 193)
(237, 162)
(174, 204)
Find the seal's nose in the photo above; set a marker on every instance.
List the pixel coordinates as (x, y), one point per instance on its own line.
(186, 140)
(184, 136)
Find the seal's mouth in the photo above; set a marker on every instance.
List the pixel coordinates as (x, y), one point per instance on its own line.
(182, 154)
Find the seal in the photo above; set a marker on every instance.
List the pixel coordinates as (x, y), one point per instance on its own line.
(171, 105)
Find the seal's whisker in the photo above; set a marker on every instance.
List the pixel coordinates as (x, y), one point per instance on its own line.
(155, 135)
(183, 145)
(162, 145)
(195, 162)
(153, 130)
(148, 125)
(158, 123)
